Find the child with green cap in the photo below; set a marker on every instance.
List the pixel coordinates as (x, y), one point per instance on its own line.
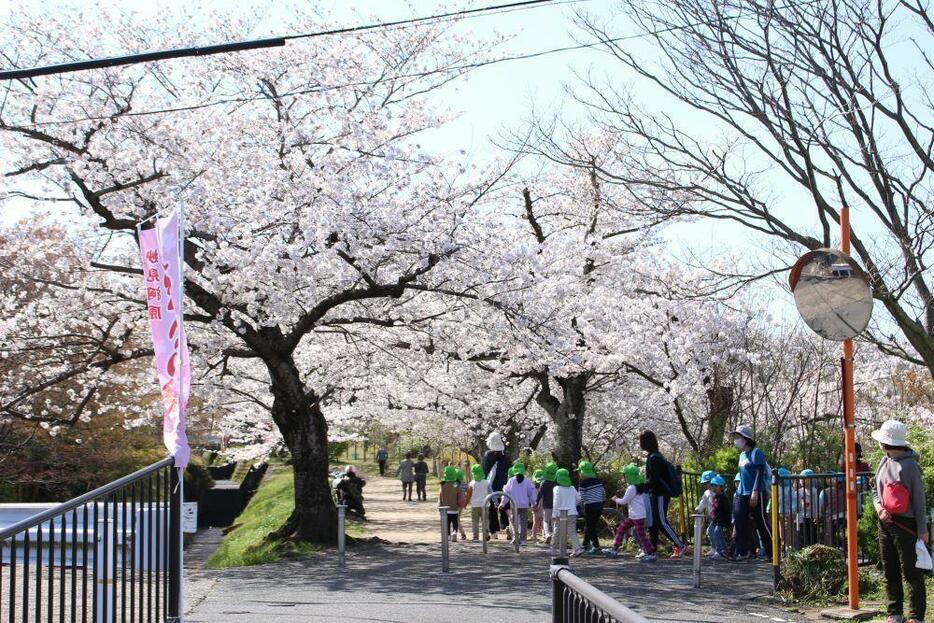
(450, 496)
(545, 499)
(566, 498)
(593, 494)
(462, 488)
(520, 489)
(477, 491)
(636, 516)
(538, 477)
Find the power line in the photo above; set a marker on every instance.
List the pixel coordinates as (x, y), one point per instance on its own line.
(131, 59)
(324, 88)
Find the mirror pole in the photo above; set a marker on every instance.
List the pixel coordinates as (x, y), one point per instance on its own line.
(849, 440)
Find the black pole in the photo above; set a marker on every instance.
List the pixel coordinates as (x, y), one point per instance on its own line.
(145, 57)
(175, 547)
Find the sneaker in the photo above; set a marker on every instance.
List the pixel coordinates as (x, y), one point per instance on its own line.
(611, 553)
(547, 540)
(475, 539)
(593, 551)
(746, 557)
(454, 538)
(677, 552)
(508, 534)
(641, 554)
(715, 556)
(463, 536)
(648, 558)
(576, 553)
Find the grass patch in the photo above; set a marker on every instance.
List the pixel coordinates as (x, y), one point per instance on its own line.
(245, 544)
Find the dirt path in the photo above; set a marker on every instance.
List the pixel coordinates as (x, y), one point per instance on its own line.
(393, 520)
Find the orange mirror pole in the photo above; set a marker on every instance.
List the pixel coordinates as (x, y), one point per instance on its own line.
(849, 440)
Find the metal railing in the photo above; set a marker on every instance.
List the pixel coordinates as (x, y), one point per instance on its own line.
(485, 519)
(575, 601)
(113, 554)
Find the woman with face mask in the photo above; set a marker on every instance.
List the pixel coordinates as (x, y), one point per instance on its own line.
(752, 494)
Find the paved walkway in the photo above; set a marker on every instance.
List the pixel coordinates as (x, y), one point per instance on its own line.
(403, 583)
(395, 521)
(400, 580)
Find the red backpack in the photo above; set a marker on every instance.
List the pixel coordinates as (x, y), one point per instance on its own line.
(896, 498)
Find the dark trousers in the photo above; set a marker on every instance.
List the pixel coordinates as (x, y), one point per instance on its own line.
(592, 513)
(499, 518)
(660, 523)
(452, 523)
(407, 490)
(745, 525)
(382, 468)
(421, 492)
(897, 549)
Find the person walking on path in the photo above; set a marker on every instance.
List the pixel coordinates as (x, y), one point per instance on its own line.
(566, 498)
(382, 455)
(593, 494)
(659, 474)
(421, 479)
(635, 518)
(477, 492)
(522, 491)
(545, 499)
(450, 496)
(496, 464)
(752, 494)
(538, 477)
(406, 473)
(902, 509)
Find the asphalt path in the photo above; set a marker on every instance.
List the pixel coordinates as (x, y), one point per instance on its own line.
(404, 583)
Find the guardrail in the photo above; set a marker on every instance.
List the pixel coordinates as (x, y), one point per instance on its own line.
(125, 537)
(575, 601)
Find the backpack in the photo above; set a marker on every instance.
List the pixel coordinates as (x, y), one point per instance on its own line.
(673, 477)
(896, 498)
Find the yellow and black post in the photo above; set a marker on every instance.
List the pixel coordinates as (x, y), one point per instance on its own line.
(776, 545)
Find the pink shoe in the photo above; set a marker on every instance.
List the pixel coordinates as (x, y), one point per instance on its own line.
(677, 552)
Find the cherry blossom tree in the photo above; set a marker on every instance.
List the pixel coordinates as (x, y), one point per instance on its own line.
(307, 197)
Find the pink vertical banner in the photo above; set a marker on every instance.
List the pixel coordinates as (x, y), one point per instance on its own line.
(159, 248)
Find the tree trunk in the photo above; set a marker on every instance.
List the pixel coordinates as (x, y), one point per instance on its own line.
(302, 424)
(568, 417)
(720, 401)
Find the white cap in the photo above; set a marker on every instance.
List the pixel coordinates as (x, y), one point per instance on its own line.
(495, 442)
(891, 433)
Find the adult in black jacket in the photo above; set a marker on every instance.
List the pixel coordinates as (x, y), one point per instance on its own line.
(658, 485)
(496, 464)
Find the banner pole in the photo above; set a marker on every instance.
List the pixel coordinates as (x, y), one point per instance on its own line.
(849, 440)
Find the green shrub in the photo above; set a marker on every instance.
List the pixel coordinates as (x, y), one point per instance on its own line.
(724, 461)
(814, 573)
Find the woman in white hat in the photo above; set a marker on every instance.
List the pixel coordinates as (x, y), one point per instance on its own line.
(902, 509)
(752, 494)
(496, 464)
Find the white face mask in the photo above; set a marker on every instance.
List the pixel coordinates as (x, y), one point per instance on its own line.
(740, 443)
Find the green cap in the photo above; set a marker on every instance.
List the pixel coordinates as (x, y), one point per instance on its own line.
(459, 473)
(538, 476)
(633, 475)
(477, 472)
(551, 470)
(586, 469)
(450, 474)
(563, 478)
(518, 468)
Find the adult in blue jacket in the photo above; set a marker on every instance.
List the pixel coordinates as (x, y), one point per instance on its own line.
(752, 494)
